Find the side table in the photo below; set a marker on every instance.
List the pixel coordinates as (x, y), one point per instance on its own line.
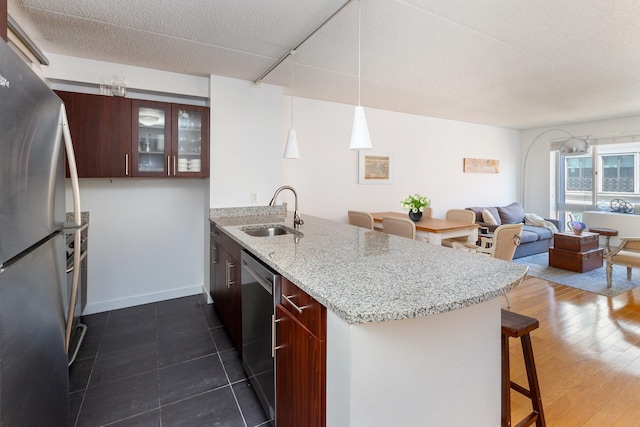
(576, 252)
(607, 232)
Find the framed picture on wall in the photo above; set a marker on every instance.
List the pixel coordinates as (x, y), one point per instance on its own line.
(375, 167)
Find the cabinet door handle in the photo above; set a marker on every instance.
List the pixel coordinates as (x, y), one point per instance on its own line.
(214, 259)
(168, 165)
(288, 299)
(228, 274)
(126, 164)
(174, 165)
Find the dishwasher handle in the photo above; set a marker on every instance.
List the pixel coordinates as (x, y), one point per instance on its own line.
(263, 282)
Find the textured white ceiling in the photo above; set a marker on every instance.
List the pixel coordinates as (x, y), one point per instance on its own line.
(511, 63)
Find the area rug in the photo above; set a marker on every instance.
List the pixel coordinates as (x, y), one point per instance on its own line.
(592, 281)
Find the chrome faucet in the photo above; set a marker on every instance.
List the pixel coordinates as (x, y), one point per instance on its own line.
(297, 221)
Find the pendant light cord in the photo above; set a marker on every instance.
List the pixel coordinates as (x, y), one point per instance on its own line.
(293, 52)
(359, 31)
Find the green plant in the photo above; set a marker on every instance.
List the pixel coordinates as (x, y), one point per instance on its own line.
(415, 203)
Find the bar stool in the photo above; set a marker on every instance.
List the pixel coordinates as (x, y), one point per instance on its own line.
(513, 326)
(607, 232)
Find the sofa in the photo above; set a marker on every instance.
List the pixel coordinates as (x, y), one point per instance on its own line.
(534, 239)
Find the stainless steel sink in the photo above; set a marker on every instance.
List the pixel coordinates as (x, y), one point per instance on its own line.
(268, 230)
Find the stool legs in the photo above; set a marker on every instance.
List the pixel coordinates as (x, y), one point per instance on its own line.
(506, 381)
(532, 393)
(532, 376)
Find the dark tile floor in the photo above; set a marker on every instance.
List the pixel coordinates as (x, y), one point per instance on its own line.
(165, 364)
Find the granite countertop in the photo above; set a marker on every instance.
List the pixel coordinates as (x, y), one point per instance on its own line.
(369, 276)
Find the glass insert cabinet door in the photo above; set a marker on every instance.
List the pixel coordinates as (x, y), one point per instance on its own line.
(169, 140)
(151, 139)
(190, 143)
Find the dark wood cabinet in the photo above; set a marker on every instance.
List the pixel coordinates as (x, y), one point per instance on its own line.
(300, 359)
(116, 137)
(100, 129)
(225, 283)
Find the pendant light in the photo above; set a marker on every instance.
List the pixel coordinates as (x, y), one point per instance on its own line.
(291, 148)
(360, 139)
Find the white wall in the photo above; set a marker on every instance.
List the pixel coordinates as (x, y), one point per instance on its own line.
(246, 136)
(145, 240)
(87, 71)
(428, 154)
(538, 188)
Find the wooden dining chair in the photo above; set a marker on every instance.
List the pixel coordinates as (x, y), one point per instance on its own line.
(460, 215)
(399, 226)
(361, 219)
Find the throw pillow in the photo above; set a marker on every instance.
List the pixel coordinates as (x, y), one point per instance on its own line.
(511, 214)
(488, 217)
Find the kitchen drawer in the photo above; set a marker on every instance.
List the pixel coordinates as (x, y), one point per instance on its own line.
(576, 243)
(309, 312)
(580, 262)
(227, 243)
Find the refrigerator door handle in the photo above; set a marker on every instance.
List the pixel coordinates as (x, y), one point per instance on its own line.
(77, 218)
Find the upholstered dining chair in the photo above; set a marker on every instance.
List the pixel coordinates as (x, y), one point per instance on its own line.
(399, 226)
(626, 254)
(427, 213)
(461, 215)
(503, 244)
(361, 219)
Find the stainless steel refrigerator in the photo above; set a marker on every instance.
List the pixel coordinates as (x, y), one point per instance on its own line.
(34, 381)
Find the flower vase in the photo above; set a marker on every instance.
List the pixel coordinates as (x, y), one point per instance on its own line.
(415, 216)
(577, 232)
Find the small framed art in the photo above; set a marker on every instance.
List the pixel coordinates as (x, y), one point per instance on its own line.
(375, 167)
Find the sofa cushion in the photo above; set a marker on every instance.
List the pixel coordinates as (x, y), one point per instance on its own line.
(478, 211)
(528, 236)
(489, 218)
(511, 214)
(539, 232)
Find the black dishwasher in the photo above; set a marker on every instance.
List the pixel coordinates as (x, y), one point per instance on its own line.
(260, 286)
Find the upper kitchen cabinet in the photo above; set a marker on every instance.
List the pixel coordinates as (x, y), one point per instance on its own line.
(115, 137)
(170, 140)
(190, 140)
(100, 128)
(151, 135)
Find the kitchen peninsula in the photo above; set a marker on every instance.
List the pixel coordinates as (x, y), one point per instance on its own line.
(412, 329)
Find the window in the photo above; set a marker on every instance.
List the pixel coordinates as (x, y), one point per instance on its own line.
(579, 173)
(618, 173)
(610, 171)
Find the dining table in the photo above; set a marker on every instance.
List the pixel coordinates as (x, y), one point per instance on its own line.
(434, 230)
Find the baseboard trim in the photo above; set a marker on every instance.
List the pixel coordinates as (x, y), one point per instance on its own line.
(114, 304)
(207, 295)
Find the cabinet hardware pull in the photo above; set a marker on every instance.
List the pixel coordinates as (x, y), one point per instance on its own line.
(168, 165)
(174, 165)
(126, 164)
(214, 259)
(288, 299)
(228, 274)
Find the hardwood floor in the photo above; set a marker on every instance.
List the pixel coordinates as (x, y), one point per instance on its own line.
(587, 353)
